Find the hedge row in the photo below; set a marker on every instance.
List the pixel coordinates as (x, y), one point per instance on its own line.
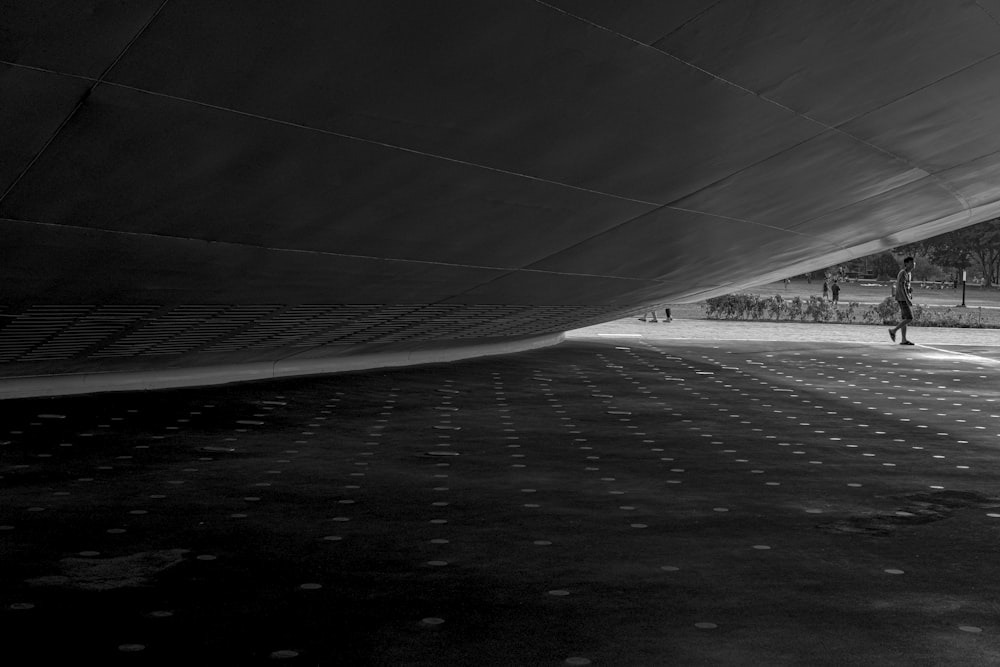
(817, 309)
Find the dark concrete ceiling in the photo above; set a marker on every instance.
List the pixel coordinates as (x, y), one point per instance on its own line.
(378, 172)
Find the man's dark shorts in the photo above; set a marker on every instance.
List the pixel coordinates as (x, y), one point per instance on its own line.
(904, 311)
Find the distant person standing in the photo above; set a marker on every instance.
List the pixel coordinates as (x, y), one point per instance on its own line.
(904, 297)
(826, 289)
(835, 292)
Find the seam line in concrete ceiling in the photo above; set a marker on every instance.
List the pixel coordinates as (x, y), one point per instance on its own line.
(987, 12)
(100, 80)
(909, 94)
(961, 199)
(83, 98)
(658, 205)
(674, 208)
(689, 64)
(375, 142)
(299, 126)
(327, 253)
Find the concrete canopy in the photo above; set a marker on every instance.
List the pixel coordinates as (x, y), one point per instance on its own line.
(191, 184)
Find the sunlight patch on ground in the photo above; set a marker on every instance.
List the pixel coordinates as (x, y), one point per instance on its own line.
(950, 354)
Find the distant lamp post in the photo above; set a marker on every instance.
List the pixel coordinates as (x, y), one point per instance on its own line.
(962, 305)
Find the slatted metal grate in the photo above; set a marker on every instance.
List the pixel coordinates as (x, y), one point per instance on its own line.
(62, 332)
(46, 333)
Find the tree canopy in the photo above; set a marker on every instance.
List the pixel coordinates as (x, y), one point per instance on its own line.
(977, 245)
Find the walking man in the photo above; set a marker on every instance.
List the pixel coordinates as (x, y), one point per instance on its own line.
(904, 296)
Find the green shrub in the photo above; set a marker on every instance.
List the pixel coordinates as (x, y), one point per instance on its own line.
(743, 306)
(819, 309)
(885, 312)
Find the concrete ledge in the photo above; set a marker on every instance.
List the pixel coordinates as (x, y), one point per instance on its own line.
(89, 383)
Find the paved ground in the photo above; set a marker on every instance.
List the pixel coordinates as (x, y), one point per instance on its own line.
(691, 493)
(826, 334)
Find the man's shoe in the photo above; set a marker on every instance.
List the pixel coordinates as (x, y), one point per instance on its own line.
(892, 335)
(906, 342)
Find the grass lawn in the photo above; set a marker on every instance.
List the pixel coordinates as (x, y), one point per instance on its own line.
(982, 304)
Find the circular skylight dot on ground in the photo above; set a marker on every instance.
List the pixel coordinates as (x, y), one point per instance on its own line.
(284, 654)
(131, 648)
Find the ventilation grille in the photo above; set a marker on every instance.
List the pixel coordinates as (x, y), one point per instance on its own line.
(45, 333)
(58, 333)
(186, 329)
